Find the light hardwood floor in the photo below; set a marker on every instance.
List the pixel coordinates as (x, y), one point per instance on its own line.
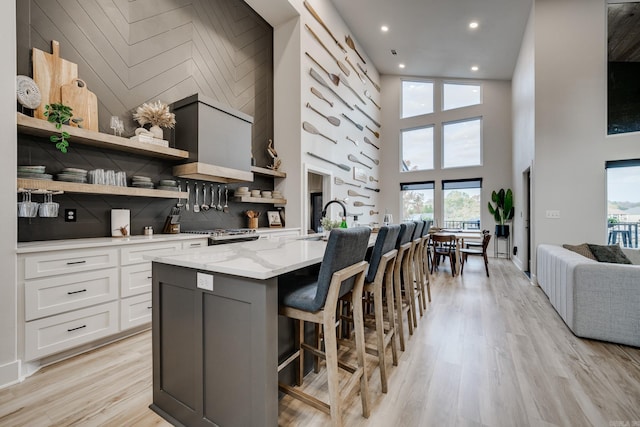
(489, 351)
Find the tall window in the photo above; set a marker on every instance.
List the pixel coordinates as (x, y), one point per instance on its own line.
(417, 200)
(462, 143)
(417, 149)
(457, 95)
(462, 203)
(417, 98)
(623, 201)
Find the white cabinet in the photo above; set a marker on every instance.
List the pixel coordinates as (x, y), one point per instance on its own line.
(75, 293)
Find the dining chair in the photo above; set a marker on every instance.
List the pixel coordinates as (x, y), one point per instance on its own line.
(400, 270)
(315, 299)
(444, 245)
(476, 244)
(464, 252)
(378, 289)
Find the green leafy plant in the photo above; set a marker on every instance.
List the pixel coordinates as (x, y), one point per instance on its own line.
(503, 210)
(327, 224)
(59, 114)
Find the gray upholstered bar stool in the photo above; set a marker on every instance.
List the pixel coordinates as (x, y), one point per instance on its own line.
(379, 281)
(400, 269)
(315, 300)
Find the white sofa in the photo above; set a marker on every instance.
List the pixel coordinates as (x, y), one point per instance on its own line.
(596, 300)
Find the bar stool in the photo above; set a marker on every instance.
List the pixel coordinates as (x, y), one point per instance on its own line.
(402, 268)
(416, 282)
(315, 300)
(380, 279)
(425, 257)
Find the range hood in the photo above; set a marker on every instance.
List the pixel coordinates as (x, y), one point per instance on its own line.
(217, 137)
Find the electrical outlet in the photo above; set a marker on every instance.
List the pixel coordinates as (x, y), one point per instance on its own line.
(553, 214)
(204, 281)
(70, 215)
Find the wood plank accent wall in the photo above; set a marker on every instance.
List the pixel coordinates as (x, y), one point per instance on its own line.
(135, 51)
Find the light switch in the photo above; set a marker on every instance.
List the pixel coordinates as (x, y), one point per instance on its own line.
(204, 281)
(553, 214)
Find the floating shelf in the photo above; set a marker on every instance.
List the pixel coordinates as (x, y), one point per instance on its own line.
(72, 187)
(42, 128)
(268, 172)
(206, 172)
(249, 199)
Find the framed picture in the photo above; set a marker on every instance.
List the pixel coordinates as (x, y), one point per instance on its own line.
(360, 174)
(274, 219)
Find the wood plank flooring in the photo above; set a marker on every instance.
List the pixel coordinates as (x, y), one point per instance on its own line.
(488, 352)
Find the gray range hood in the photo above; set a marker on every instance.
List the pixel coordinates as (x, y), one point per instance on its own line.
(217, 137)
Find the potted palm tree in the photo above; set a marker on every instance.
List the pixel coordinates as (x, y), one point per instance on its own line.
(503, 210)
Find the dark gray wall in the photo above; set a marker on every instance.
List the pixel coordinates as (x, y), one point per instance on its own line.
(130, 52)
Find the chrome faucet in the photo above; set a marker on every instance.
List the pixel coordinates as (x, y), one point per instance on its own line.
(344, 208)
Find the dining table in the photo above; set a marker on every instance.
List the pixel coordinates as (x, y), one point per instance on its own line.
(460, 236)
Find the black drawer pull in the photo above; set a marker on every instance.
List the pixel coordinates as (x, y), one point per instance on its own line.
(150, 307)
(195, 245)
(75, 329)
(77, 262)
(151, 277)
(76, 292)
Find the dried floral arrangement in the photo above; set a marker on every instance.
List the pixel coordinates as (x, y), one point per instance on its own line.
(156, 114)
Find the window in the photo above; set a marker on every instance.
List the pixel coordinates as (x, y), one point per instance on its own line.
(456, 95)
(417, 98)
(417, 200)
(623, 201)
(416, 149)
(462, 203)
(462, 143)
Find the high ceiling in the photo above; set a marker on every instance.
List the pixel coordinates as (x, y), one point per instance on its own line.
(432, 37)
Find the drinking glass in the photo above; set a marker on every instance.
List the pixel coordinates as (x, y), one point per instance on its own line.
(387, 219)
(121, 179)
(115, 120)
(110, 177)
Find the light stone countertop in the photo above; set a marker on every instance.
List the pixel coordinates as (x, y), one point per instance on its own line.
(257, 259)
(98, 242)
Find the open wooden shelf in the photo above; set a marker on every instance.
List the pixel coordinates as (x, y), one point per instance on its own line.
(72, 187)
(268, 172)
(42, 128)
(249, 199)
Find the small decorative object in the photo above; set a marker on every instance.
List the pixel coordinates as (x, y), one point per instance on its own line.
(274, 155)
(157, 115)
(328, 225)
(253, 218)
(59, 114)
(28, 92)
(503, 211)
(274, 219)
(120, 220)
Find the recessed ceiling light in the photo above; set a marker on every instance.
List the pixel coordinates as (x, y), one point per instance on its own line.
(473, 25)
(384, 28)
(474, 68)
(401, 65)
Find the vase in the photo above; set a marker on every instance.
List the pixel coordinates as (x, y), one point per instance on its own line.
(156, 131)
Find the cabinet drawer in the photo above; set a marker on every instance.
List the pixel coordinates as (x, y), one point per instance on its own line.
(195, 244)
(135, 311)
(64, 331)
(135, 279)
(65, 262)
(134, 254)
(54, 295)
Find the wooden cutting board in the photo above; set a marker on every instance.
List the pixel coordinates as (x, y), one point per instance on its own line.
(83, 103)
(50, 72)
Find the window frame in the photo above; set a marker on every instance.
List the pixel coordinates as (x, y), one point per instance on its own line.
(458, 83)
(433, 148)
(433, 96)
(444, 187)
(443, 145)
(416, 186)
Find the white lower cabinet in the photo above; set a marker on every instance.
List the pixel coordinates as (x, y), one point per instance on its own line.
(135, 311)
(57, 333)
(72, 297)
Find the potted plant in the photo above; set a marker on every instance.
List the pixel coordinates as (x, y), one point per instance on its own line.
(157, 115)
(503, 210)
(59, 114)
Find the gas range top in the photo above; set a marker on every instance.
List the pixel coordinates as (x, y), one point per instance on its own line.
(220, 235)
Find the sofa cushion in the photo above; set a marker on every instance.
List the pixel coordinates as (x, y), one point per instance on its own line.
(582, 249)
(633, 255)
(612, 254)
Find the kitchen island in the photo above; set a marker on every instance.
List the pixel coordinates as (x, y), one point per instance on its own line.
(215, 330)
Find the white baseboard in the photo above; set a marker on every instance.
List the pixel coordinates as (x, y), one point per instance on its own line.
(9, 374)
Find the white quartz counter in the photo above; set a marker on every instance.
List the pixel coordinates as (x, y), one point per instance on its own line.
(258, 259)
(98, 242)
